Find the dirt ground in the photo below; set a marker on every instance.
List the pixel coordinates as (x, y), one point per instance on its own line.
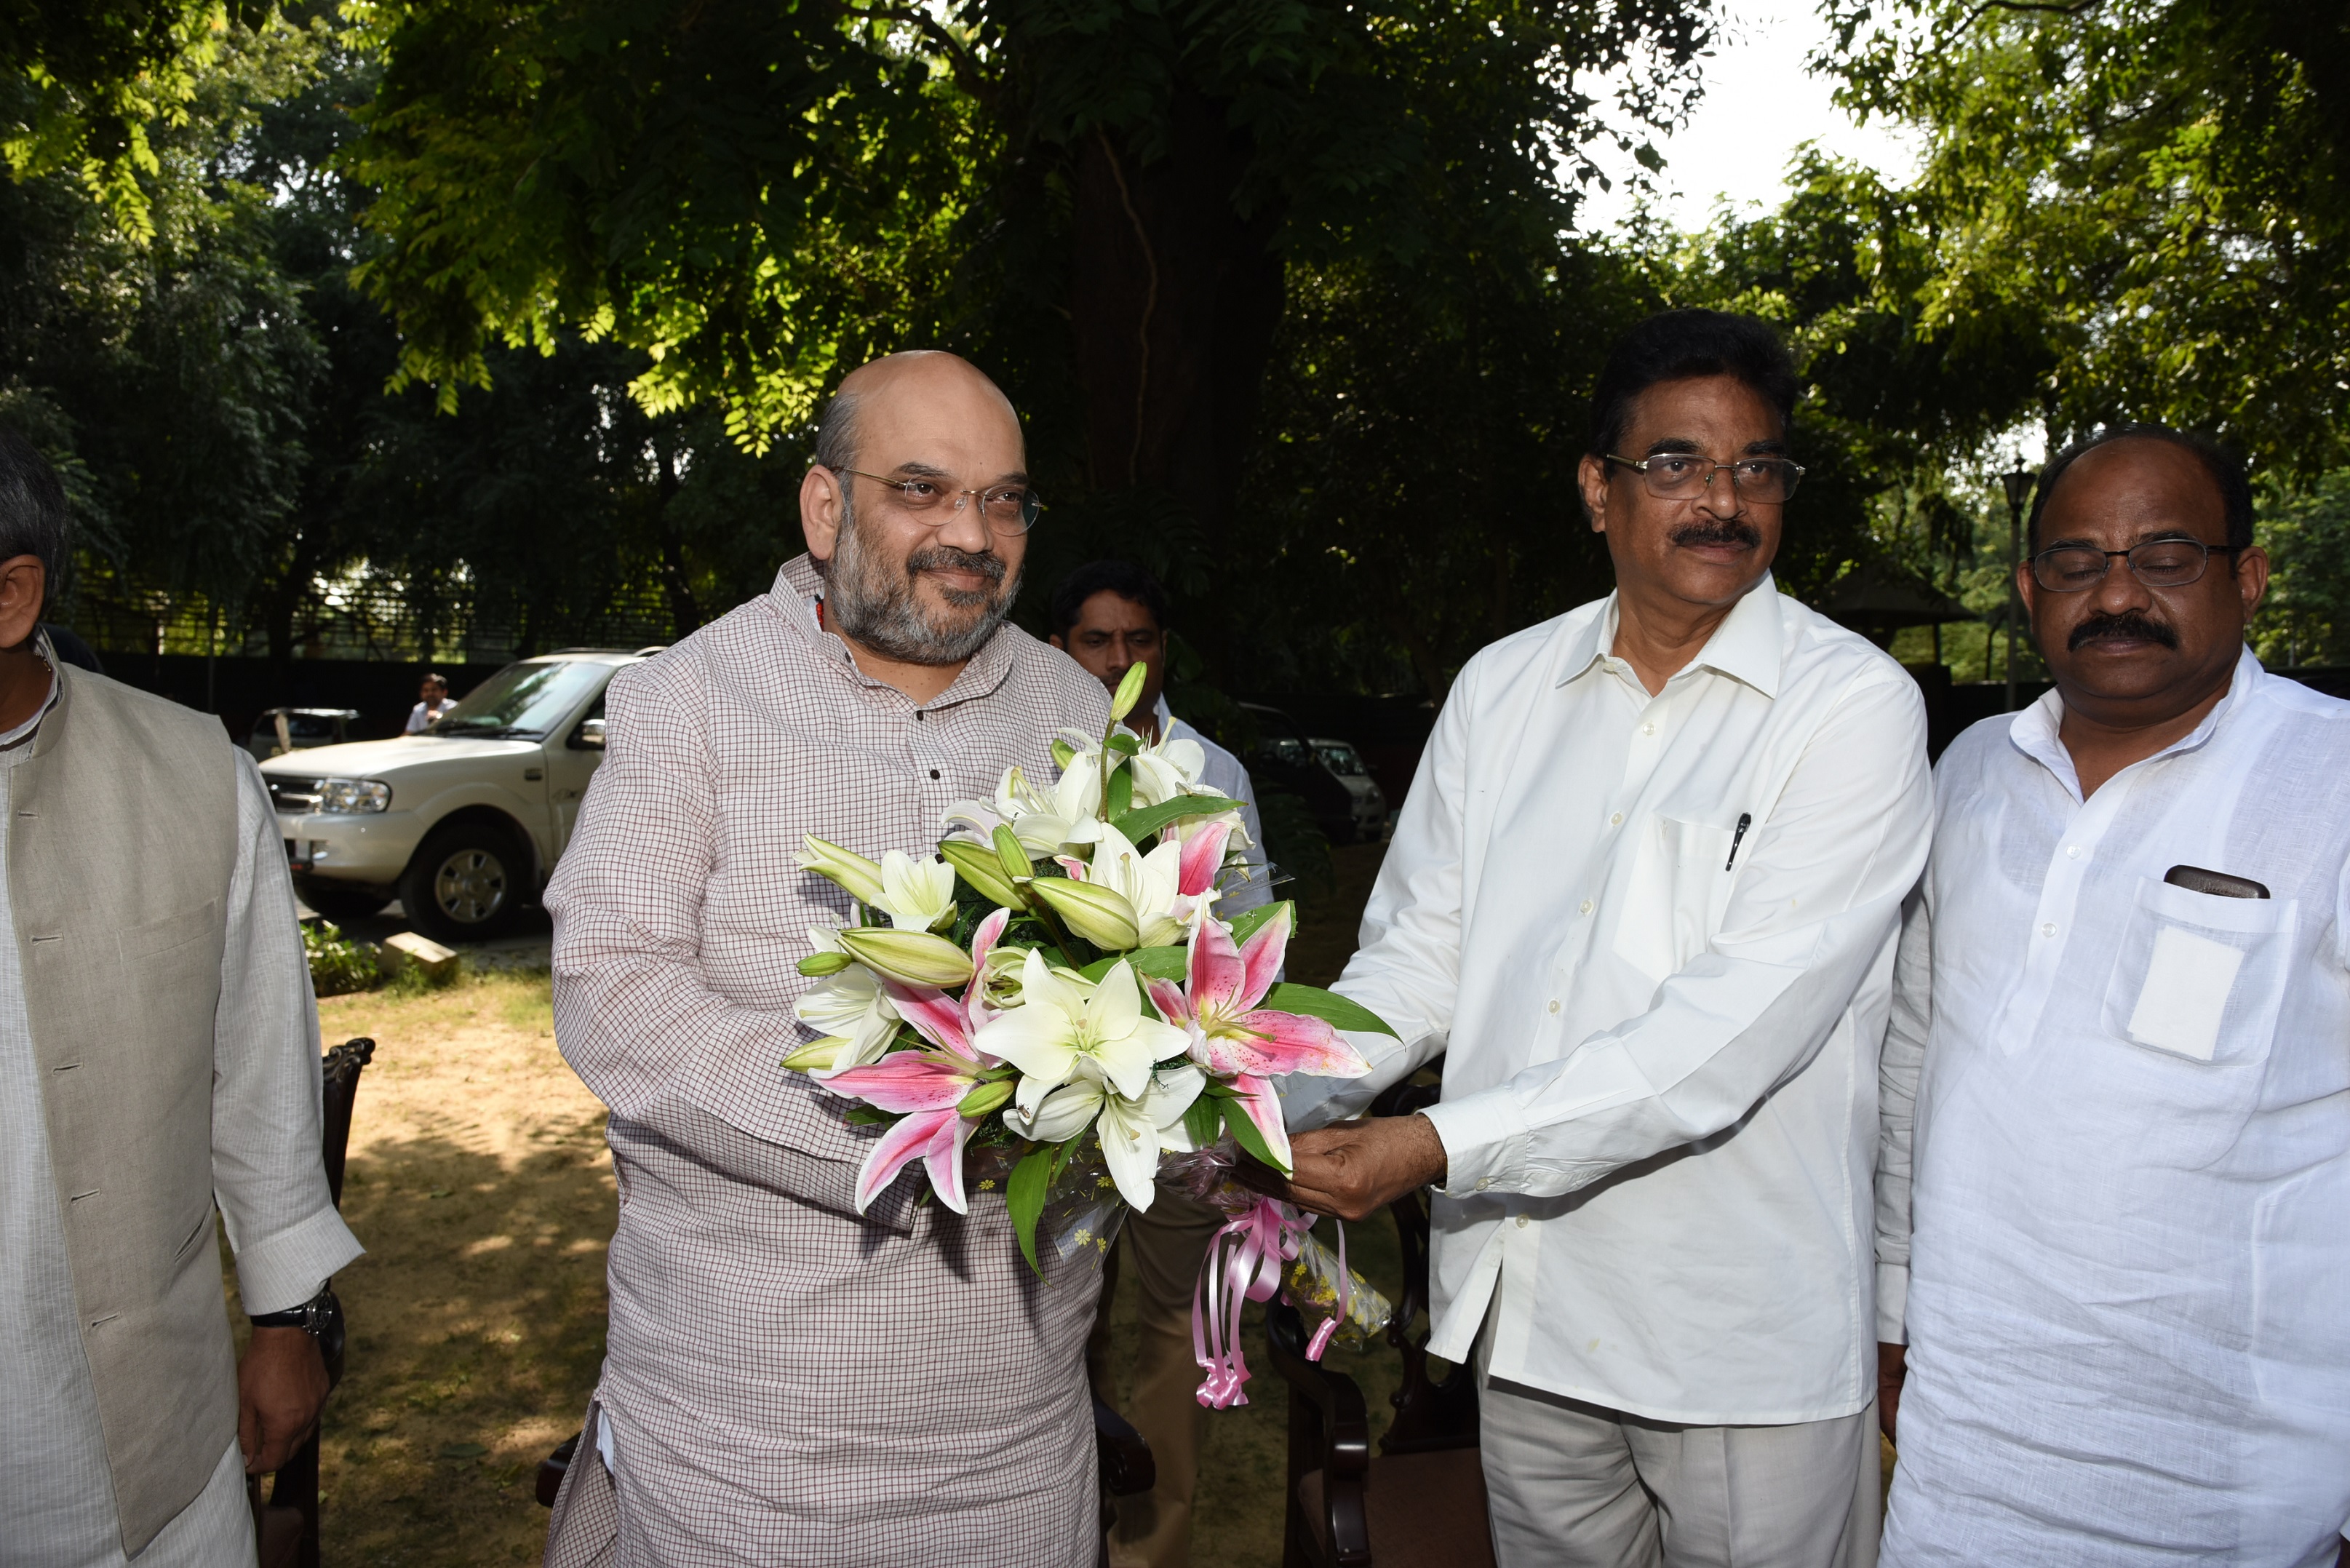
(479, 1181)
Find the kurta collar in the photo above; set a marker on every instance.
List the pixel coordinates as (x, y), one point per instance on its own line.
(2037, 730)
(1749, 646)
(798, 587)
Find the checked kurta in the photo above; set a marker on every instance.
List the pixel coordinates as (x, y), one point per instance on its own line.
(785, 1381)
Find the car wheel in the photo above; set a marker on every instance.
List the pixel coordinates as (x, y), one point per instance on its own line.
(339, 902)
(464, 884)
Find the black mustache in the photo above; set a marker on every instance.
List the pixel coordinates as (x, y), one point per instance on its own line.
(947, 558)
(1720, 531)
(2130, 625)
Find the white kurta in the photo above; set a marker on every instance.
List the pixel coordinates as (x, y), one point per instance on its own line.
(1660, 1088)
(2127, 1296)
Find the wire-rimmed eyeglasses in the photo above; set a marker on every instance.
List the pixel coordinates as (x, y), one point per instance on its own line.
(2156, 563)
(1682, 475)
(1006, 508)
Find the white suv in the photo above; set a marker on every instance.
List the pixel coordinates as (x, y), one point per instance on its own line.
(464, 823)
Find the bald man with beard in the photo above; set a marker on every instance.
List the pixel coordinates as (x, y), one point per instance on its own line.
(786, 1380)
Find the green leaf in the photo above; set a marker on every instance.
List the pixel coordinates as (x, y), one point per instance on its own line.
(1247, 923)
(1200, 1122)
(1023, 1194)
(1245, 1134)
(1121, 792)
(1155, 963)
(1316, 1002)
(867, 1117)
(1126, 743)
(1150, 819)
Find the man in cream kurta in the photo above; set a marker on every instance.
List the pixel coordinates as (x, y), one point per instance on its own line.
(1643, 900)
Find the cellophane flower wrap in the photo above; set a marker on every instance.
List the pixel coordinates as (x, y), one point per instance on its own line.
(1053, 1001)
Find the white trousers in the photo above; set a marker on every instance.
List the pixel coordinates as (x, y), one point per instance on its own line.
(1573, 1485)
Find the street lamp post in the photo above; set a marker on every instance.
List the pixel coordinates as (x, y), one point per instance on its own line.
(2018, 482)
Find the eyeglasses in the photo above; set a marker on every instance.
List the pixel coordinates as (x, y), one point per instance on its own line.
(2157, 563)
(1007, 508)
(1683, 476)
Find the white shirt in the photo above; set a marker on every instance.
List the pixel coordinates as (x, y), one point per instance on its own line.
(1660, 1091)
(2128, 1294)
(56, 1503)
(1224, 774)
(423, 714)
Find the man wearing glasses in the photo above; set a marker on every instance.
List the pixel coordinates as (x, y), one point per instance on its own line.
(2114, 1192)
(1643, 900)
(786, 1380)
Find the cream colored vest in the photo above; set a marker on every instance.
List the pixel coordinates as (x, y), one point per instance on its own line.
(122, 839)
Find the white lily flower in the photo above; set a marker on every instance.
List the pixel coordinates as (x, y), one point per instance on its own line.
(917, 895)
(1043, 822)
(1134, 1130)
(1167, 767)
(850, 1004)
(1152, 883)
(1063, 1020)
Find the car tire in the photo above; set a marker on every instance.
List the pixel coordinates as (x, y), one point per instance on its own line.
(340, 902)
(464, 884)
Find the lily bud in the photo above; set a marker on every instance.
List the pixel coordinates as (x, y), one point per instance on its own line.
(861, 878)
(1063, 754)
(1130, 691)
(815, 966)
(817, 1055)
(978, 865)
(909, 958)
(984, 1098)
(1013, 855)
(1100, 915)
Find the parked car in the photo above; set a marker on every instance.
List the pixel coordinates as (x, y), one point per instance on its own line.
(281, 730)
(464, 823)
(1284, 759)
(1370, 802)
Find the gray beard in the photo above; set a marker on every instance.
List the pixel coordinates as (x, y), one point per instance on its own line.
(872, 602)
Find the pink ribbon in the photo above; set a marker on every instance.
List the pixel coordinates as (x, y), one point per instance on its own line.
(1243, 1264)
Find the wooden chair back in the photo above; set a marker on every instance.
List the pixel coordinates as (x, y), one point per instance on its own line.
(287, 1525)
(1335, 1515)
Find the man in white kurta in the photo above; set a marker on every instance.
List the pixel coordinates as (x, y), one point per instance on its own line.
(2127, 1297)
(1648, 915)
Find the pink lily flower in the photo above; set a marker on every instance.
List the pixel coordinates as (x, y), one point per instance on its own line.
(928, 1087)
(1241, 1042)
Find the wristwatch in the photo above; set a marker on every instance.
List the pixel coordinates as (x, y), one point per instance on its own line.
(312, 1316)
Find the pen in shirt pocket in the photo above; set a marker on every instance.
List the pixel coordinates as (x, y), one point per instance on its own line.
(1745, 821)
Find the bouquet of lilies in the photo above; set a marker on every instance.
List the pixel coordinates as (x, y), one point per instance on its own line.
(1056, 981)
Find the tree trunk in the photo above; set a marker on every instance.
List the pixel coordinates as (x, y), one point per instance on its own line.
(1174, 300)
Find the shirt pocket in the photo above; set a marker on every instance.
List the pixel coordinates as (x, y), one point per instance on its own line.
(1679, 893)
(2193, 1000)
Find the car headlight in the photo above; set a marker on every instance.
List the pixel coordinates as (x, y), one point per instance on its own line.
(353, 795)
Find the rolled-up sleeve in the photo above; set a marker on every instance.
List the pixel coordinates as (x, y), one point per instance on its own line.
(1810, 917)
(269, 1176)
(635, 1015)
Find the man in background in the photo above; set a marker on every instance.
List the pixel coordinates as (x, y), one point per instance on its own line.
(159, 1057)
(432, 702)
(1643, 900)
(787, 1379)
(1111, 615)
(2113, 1188)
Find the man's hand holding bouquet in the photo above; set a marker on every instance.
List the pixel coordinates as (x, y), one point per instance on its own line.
(1059, 999)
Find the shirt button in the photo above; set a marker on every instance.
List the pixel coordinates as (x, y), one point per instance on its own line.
(2048, 929)
(934, 773)
(1648, 729)
(1587, 906)
(2071, 851)
(1617, 820)
(1553, 1004)
(1521, 1221)
(1484, 1182)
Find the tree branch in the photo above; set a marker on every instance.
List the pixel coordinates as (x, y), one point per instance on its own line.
(2073, 10)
